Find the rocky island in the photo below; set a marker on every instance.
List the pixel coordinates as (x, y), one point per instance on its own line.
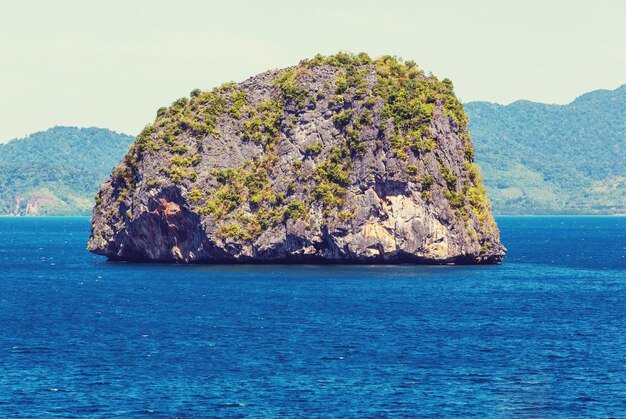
(339, 159)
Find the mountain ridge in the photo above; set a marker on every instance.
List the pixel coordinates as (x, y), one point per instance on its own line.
(62, 127)
(549, 158)
(57, 171)
(580, 97)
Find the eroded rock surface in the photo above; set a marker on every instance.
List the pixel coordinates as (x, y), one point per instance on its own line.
(339, 159)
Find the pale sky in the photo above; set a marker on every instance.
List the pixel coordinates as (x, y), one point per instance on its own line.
(112, 63)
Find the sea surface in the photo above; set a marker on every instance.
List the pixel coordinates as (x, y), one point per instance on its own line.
(542, 335)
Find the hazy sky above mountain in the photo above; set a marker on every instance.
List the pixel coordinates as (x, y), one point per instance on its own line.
(113, 63)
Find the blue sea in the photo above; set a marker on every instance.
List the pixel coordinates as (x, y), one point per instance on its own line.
(542, 335)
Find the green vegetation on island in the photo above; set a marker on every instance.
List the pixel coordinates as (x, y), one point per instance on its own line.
(373, 150)
(402, 93)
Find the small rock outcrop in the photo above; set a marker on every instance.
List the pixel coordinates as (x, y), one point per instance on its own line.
(338, 159)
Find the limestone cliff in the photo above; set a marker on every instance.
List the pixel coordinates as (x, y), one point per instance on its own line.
(338, 159)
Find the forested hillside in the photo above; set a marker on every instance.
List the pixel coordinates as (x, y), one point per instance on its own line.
(539, 158)
(57, 172)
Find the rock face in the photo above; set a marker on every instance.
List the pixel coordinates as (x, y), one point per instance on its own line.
(339, 159)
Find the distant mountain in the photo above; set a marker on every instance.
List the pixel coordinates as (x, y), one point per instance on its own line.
(539, 158)
(58, 171)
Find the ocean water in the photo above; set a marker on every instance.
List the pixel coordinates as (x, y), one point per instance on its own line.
(542, 335)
